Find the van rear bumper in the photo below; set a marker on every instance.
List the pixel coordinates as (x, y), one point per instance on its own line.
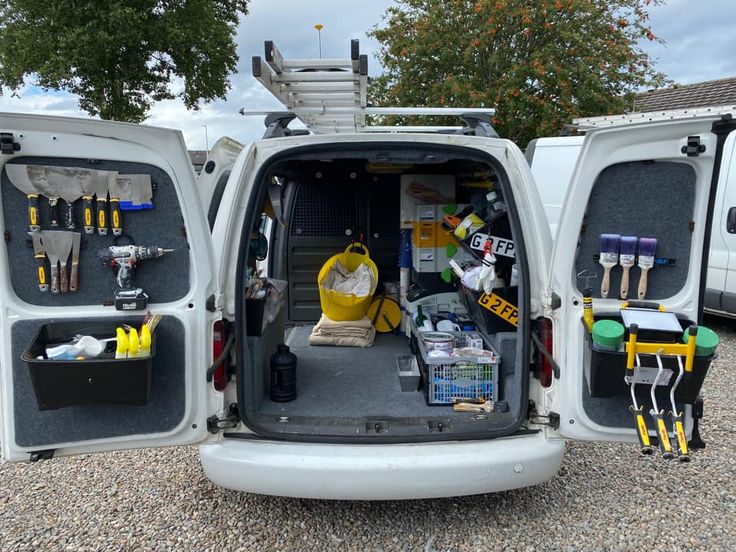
(382, 472)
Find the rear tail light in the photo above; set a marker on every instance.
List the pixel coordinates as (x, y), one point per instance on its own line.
(545, 361)
(219, 377)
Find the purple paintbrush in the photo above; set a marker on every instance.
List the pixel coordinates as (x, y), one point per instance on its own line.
(627, 259)
(608, 259)
(647, 248)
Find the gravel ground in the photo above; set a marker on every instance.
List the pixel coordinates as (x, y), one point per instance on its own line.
(606, 497)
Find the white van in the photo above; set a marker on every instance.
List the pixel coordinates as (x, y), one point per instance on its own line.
(352, 433)
(552, 161)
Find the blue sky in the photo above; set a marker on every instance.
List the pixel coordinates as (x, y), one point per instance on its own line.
(700, 45)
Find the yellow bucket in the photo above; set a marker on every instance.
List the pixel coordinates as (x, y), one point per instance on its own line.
(345, 306)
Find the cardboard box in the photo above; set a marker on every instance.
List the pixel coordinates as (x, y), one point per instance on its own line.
(424, 189)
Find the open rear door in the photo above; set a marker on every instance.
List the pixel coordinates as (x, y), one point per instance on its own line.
(654, 180)
(63, 407)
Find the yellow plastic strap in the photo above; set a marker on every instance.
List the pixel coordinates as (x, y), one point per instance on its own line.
(631, 350)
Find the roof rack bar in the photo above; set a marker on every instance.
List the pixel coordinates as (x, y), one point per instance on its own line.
(632, 118)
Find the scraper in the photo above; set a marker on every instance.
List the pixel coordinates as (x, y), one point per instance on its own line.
(115, 216)
(37, 175)
(40, 256)
(74, 279)
(18, 176)
(58, 245)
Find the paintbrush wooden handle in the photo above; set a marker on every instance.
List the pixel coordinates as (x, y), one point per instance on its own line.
(643, 283)
(606, 281)
(625, 282)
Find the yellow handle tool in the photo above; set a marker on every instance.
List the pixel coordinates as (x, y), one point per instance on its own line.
(690, 357)
(642, 432)
(665, 446)
(631, 350)
(683, 453)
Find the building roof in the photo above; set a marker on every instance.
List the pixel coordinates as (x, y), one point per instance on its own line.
(682, 96)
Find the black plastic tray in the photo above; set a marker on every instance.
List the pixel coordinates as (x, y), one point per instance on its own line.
(62, 383)
(607, 370)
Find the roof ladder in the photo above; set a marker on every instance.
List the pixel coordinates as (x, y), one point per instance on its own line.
(331, 96)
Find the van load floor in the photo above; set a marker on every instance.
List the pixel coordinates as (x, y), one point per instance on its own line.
(351, 382)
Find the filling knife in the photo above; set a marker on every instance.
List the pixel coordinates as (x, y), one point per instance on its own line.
(74, 278)
(40, 255)
(18, 176)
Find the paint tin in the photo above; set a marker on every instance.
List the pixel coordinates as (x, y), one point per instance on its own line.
(438, 341)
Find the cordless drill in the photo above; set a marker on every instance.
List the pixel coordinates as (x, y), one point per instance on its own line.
(123, 258)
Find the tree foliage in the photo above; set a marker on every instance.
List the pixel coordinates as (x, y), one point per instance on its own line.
(538, 63)
(119, 56)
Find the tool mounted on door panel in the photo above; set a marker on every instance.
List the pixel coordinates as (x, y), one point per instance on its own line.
(123, 259)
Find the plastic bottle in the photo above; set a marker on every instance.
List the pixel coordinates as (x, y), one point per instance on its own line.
(134, 344)
(423, 323)
(145, 350)
(283, 375)
(588, 309)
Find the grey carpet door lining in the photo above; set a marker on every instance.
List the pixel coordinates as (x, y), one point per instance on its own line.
(635, 199)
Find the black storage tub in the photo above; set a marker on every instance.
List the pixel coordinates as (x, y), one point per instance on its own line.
(607, 370)
(62, 383)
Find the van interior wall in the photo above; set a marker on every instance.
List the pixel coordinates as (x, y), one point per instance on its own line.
(326, 204)
(162, 226)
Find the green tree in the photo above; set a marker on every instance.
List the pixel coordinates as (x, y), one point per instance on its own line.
(538, 63)
(119, 56)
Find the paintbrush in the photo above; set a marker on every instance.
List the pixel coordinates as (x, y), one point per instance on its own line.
(608, 259)
(647, 248)
(627, 259)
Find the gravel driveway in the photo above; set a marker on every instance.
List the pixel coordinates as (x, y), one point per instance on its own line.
(606, 497)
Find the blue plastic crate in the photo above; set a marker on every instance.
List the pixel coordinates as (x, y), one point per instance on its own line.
(450, 382)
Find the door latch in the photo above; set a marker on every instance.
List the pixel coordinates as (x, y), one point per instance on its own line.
(731, 221)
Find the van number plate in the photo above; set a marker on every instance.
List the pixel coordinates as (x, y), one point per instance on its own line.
(500, 307)
(501, 246)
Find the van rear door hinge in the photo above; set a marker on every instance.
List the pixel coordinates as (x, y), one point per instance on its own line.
(551, 419)
(551, 300)
(214, 302)
(229, 421)
(37, 455)
(8, 145)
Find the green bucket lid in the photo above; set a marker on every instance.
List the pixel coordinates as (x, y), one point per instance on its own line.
(705, 342)
(608, 333)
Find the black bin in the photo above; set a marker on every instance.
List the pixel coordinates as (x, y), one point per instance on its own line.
(608, 368)
(105, 379)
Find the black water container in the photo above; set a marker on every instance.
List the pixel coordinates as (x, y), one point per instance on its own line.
(283, 375)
